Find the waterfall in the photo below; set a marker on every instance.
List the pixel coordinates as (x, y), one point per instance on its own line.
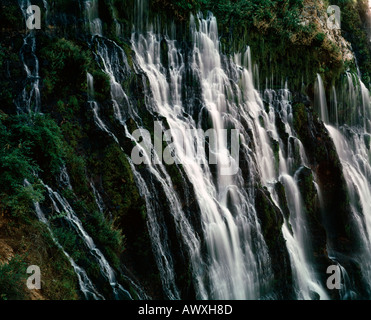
(295, 229)
(238, 267)
(334, 107)
(352, 142)
(356, 161)
(149, 190)
(200, 192)
(350, 101)
(233, 269)
(95, 107)
(46, 7)
(366, 107)
(30, 100)
(306, 280)
(64, 178)
(353, 103)
(92, 17)
(118, 96)
(86, 286)
(60, 204)
(320, 100)
(98, 198)
(346, 292)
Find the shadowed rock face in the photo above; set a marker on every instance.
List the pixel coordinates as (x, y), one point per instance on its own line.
(272, 221)
(326, 165)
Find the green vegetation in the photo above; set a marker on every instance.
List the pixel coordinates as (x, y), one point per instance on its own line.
(271, 221)
(10, 15)
(32, 245)
(46, 146)
(62, 57)
(271, 218)
(16, 164)
(352, 25)
(117, 179)
(280, 43)
(102, 85)
(108, 236)
(12, 279)
(179, 9)
(65, 135)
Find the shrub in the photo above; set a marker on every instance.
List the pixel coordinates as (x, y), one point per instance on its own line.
(16, 164)
(12, 279)
(67, 64)
(46, 146)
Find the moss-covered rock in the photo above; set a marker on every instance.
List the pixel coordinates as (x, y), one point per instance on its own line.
(271, 224)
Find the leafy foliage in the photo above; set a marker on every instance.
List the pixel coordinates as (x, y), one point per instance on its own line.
(12, 279)
(44, 138)
(10, 14)
(16, 164)
(62, 57)
(352, 14)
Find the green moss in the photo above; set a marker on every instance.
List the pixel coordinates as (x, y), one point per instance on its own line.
(300, 117)
(271, 220)
(64, 56)
(46, 142)
(353, 17)
(76, 166)
(319, 38)
(70, 241)
(180, 9)
(118, 180)
(102, 85)
(29, 146)
(106, 234)
(36, 247)
(308, 191)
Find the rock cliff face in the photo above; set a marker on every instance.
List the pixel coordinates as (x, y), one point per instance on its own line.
(99, 226)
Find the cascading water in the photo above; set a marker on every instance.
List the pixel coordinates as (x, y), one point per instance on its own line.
(237, 266)
(232, 270)
(227, 254)
(30, 99)
(352, 145)
(334, 107)
(156, 229)
(355, 158)
(61, 205)
(320, 100)
(46, 7)
(98, 198)
(118, 96)
(30, 102)
(295, 228)
(366, 107)
(86, 286)
(92, 16)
